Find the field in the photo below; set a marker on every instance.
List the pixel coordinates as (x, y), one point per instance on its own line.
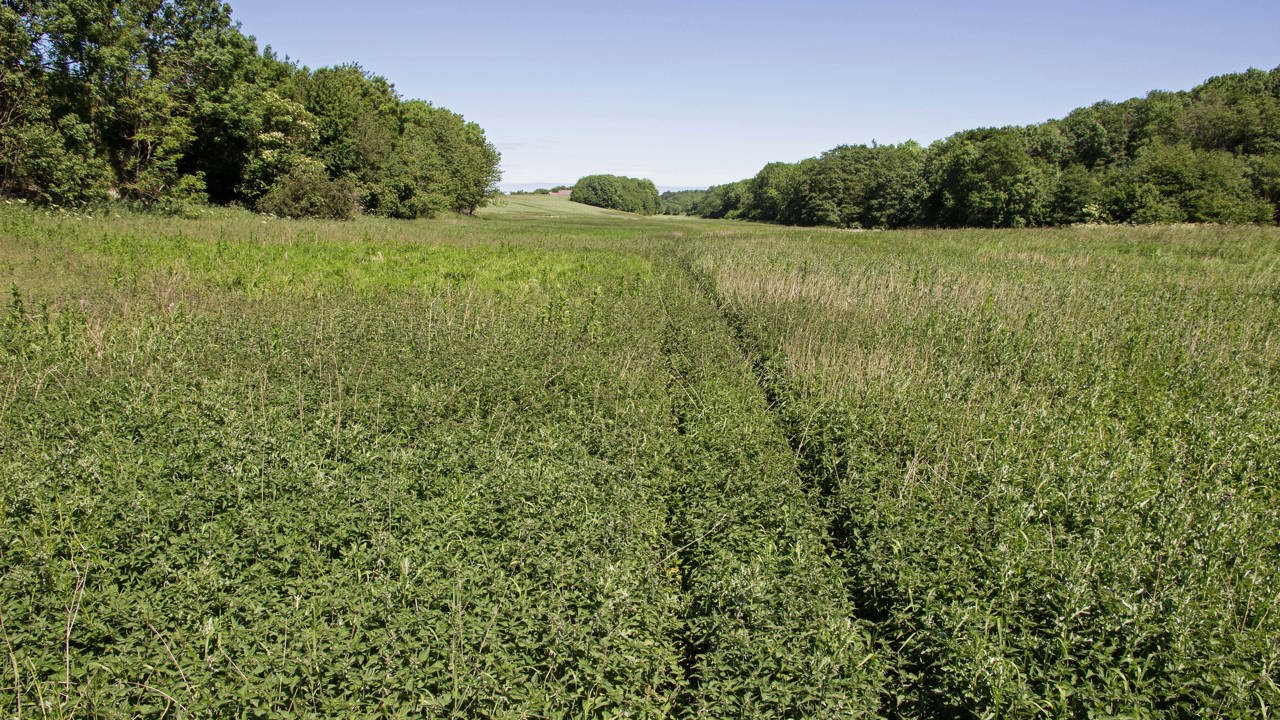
(549, 206)
(548, 462)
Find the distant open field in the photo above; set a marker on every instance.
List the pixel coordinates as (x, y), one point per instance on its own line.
(543, 206)
(554, 461)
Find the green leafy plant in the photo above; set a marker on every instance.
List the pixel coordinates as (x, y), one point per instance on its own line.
(306, 191)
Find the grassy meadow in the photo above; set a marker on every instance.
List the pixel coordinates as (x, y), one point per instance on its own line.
(553, 461)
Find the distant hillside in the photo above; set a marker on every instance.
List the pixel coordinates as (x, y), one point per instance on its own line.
(1210, 154)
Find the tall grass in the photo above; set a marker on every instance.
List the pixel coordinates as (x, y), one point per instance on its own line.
(429, 469)
(534, 464)
(1050, 458)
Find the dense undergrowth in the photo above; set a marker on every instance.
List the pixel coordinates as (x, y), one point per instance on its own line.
(520, 466)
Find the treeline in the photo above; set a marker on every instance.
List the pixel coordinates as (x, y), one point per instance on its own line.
(168, 102)
(680, 202)
(541, 191)
(1208, 155)
(615, 192)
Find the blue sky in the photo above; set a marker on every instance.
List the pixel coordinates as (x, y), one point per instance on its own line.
(697, 93)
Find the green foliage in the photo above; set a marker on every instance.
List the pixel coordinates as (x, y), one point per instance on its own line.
(140, 100)
(986, 178)
(680, 202)
(57, 165)
(722, 201)
(1197, 156)
(556, 464)
(615, 192)
(1077, 197)
(852, 187)
(147, 163)
(468, 162)
(441, 162)
(306, 191)
(1177, 183)
(41, 158)
(1265, 172)
(357, 120)
(1087, 137)
(278, 134)
(1236, 113)
(1037, 521)
(767, 194)
(318, 469)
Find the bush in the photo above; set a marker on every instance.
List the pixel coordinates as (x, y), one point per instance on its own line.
(54, 165)
(186, 197)
(306, 191)
(400, 197)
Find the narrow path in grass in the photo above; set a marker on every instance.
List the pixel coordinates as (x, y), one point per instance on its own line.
(840, 529)
(768, 629)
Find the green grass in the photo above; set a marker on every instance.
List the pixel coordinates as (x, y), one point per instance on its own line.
(1051, 459)
(530, 207)
(552, 461)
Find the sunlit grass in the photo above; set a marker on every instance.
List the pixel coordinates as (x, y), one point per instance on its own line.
(536, 462)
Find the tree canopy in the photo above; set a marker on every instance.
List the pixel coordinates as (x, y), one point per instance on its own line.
(1211, 154)
(617, 193)
(680, 202)
(166, 101)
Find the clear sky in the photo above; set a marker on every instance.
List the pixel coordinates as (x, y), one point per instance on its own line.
(701, 92)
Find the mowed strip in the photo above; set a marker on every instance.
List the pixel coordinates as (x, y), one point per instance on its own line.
(771, 631)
